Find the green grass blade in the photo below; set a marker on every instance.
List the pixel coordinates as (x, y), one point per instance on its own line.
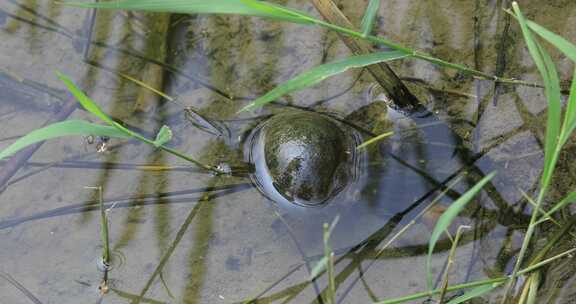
(369, 17)
(278, 11)
(84, 100)
(554, 119)
(552, 90)
(238, 7)
(318, 268)
(562, 44)
(446, 220)
(530, 42)
(568, 199)
(474, 293)
(374, 139)
(60, 129)
(570, 116)
(319, 73)
(93, 108)
(163, 136)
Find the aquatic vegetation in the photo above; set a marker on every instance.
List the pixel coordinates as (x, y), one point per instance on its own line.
(557, 133)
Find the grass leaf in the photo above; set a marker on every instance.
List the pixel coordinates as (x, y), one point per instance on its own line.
(568, 199)
(238, 7)
(554, 119)
(278, 11)
(318, 268)
(374, 139)
(84, 100)
(446, 220)
(473, 293)
(552, 89)
(570, 116)
(163, 136)
(321, 72)
(369, 17)
(93, 108)
(562, 44)
(59, 129)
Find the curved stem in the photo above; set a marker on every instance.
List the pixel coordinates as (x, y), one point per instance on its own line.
(416, 54)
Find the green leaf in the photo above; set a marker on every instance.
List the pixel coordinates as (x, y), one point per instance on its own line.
(474, 293)
(84, 100)
(321, 72)
(534, 279)
(278, 11)
(374, 139)
(369, 17)
(568, 199)
(570, 116)
(318, 268)
(552, 89)
(448, 216)
(554, 119)
(562, 44)
(238, 7)
(163, 136)
(93, 108)
(60, 129)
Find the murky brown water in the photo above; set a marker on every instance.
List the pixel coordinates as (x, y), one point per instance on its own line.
(226, 242)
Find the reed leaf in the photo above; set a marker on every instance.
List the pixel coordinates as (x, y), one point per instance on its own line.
(448, 217)
(60, 129)
(570, 116)
(559, 42)
(84, 100)
(237, 7)
(320, 266)
(568, 199)
(473, 293)
(279, 11)
(163, 136)
(369, 17)
(552, 90)
(93, 108)
(321, 72)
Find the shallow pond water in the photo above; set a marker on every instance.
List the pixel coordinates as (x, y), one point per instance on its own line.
(179, 235)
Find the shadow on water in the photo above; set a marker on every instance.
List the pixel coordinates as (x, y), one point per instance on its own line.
(221, 240)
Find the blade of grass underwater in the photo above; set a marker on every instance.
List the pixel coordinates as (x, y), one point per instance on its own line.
(60, 129)
(446, 220)
(474, 293)
(369, 17)
(562, 44)
(237, 7)
(321, 72)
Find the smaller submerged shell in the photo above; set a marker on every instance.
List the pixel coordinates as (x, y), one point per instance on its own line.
(303, 158)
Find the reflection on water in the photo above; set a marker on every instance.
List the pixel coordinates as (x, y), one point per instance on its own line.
(191, 237)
